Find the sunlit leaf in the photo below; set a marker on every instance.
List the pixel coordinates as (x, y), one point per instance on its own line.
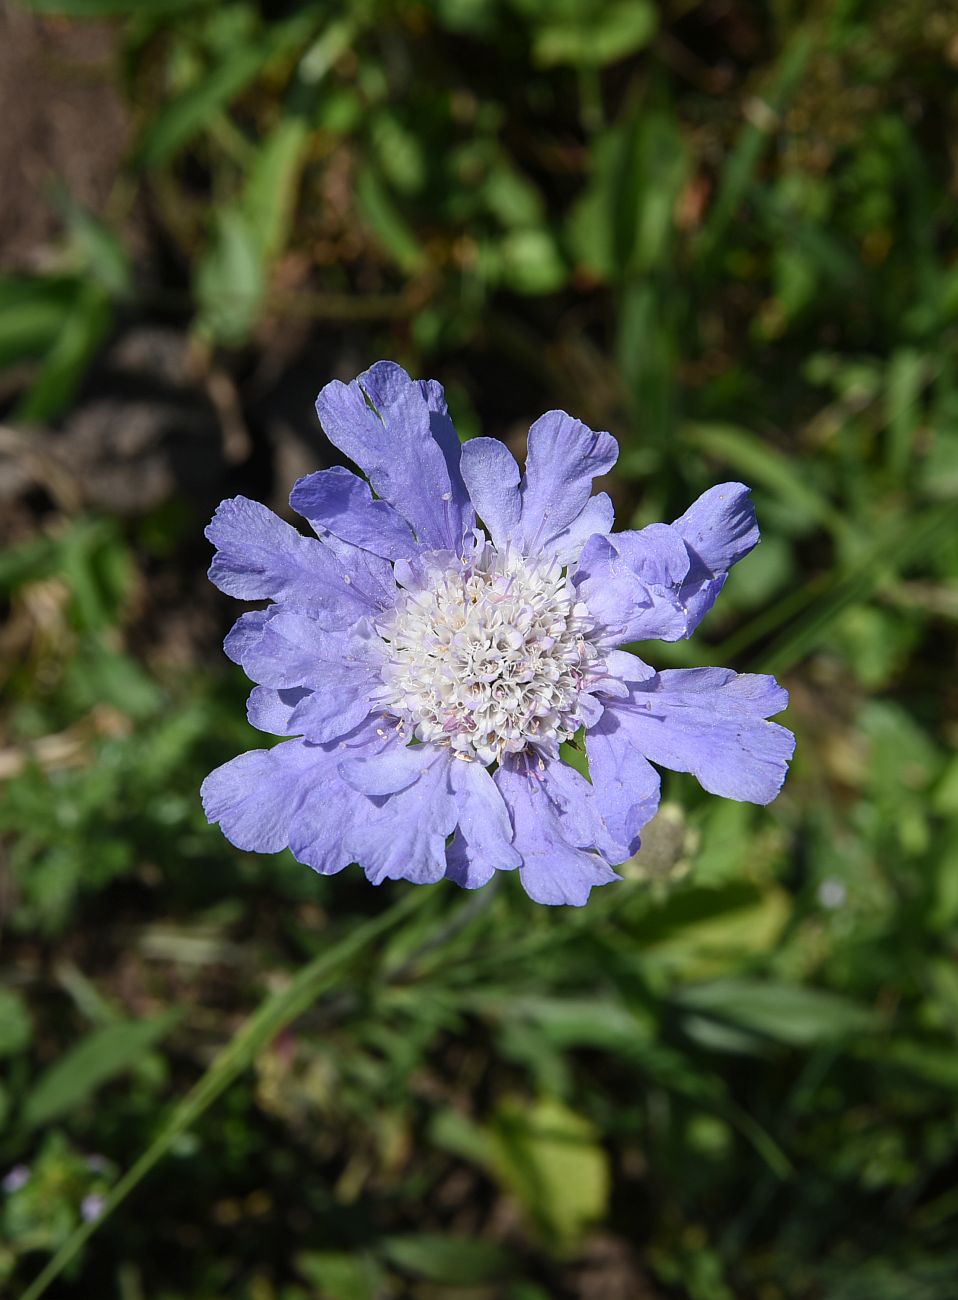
(593, 38)
(786, 1013)
(94, 1061)
(15, 1027)
(454, 1261)
(552, 1160)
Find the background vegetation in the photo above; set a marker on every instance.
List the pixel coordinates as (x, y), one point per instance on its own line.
(723, 230)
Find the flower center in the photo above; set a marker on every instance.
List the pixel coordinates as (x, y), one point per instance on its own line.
(489, 655)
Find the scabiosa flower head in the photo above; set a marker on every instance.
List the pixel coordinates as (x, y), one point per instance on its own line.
(432, 647)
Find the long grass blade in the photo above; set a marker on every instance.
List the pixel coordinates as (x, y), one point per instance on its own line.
(272, 1015)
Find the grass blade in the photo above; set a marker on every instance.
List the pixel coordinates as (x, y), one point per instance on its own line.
(265, 1023)
(908, 542)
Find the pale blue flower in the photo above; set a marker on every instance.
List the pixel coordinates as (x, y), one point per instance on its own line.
(435, 643)
(15, 1178)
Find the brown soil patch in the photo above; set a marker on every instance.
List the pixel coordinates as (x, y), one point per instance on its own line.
(62, 120)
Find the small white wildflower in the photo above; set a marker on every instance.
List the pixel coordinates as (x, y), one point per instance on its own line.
(832, 894)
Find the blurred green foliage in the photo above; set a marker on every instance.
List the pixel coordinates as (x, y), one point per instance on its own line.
(726, 233)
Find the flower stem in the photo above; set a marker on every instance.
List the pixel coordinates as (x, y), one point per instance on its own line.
(263, 1025)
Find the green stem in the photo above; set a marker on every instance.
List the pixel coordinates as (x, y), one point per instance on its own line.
(265, 1023)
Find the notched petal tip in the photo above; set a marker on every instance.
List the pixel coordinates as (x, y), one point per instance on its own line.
(397, 431)
(720, 527)
(712, 723)
(558, 831)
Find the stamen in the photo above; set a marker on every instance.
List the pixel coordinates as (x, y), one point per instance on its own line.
(489, 655)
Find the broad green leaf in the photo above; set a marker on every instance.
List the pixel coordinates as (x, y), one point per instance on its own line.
(945, 799)
(32, 311)
(98, 1058)
(399, 152)
(230, 280)
(101, 675)
(938, 471)
(338, 1276)
(788, 1013)
(702, 931)
(36, 559)
(15, 1028)
(531, 262)
(472, 17)
(594, 36)
(571, 1022)
(453, 1131)
(333, 42)
(933, 1062)
(454, 1261)
(82, 330)
(386, 222)
(98, 249)
(551, 1159)
(269, 198)
(624, 220)
(511, 196)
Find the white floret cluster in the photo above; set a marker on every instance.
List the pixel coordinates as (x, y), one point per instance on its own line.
(489, 655)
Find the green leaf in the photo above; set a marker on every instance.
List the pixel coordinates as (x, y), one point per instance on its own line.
(31, 314)
(399, 152)
(338, 1276)
(552, 1160)
(594, 36)
(938, 470)
(82, 330)
(747, 454)
(572, 1022)
(471, 17)
(454, 1261)
(698, 931)
(786, 1013)
(332, 43)
(531, 262)
(624, 221)
(230, 280)
(756, 137)
(932, 1062)
(453, 1131)
(101, 1056)
(511, 196)
(100, 675)
(907, 375)
(99, 250)
(387, 223)
(15, 1028)
(272, 1015)
(269, 198)
(192, 111)
(897, 544)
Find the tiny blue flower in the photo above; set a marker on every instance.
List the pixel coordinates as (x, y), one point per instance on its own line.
(92, 1206)
(433, 646)
(15, 1178)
